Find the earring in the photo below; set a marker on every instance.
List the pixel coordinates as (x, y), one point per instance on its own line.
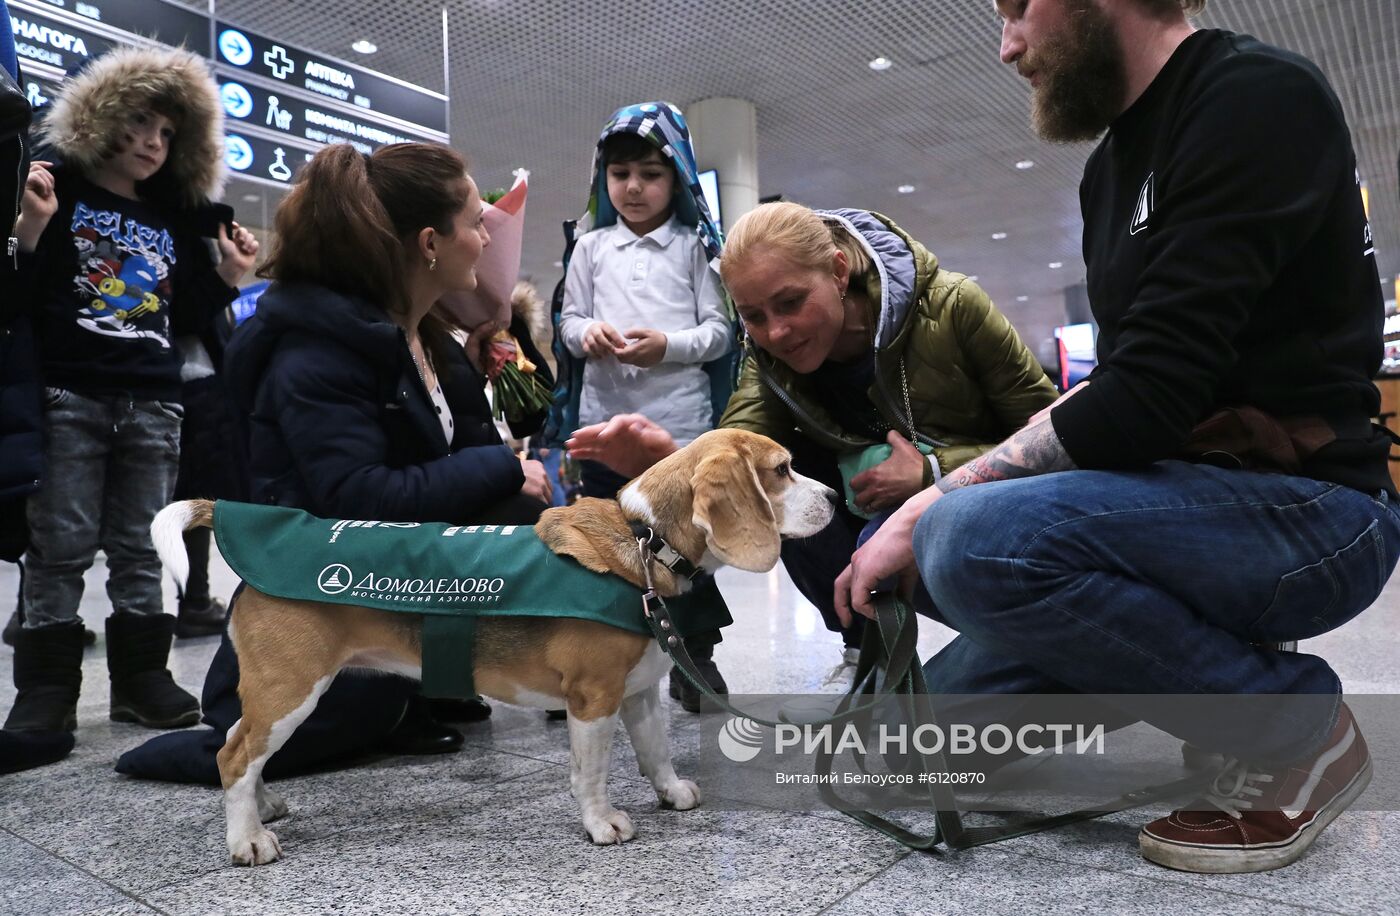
(432, 265)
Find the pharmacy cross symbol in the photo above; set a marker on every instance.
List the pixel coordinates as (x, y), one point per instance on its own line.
(277, 61)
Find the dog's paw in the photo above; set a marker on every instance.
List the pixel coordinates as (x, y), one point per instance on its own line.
(681, 795)
(270, 806)
(259, 848)
(610, 829)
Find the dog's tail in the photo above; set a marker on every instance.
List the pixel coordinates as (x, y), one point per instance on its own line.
(168, 529)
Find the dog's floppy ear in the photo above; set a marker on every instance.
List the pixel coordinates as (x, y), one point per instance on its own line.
(734, 512)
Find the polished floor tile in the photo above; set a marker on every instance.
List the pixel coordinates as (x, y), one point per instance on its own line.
(35, 882)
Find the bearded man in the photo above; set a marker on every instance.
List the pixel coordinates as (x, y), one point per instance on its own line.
(1216, 486)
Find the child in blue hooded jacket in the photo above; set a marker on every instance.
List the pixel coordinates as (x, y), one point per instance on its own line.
(643, 306)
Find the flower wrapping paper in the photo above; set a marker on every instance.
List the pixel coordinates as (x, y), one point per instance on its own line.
(499, 266)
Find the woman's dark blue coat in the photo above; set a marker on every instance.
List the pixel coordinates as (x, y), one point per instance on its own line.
(339, 424)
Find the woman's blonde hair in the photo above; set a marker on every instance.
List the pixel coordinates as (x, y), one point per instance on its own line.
(794, 231)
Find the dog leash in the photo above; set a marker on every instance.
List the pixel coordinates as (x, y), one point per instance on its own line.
(891, 647)
(933, 770)
(663, 628)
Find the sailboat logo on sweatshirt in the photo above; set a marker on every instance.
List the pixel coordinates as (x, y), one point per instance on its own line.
(1143, 211)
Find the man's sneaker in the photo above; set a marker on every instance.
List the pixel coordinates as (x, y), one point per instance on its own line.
(1260, 819)
(844, 674)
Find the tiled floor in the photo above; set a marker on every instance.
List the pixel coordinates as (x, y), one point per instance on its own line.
(494, 830)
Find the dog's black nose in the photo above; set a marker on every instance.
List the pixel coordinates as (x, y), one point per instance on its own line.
(834, 498)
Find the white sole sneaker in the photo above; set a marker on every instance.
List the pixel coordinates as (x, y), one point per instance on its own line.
(1213, 860)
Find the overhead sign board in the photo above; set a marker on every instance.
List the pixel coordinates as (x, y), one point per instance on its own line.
(285, 113)
(316, 74)
(251, 155)
(158, 20)
(38, 90)
(283, 103)
(55, 41)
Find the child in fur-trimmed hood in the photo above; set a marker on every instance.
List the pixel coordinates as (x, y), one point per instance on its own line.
(111, 267)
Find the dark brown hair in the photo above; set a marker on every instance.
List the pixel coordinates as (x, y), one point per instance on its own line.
(351, 221)
(625, 147)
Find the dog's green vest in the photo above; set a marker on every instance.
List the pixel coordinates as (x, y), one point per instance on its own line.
(450, 574)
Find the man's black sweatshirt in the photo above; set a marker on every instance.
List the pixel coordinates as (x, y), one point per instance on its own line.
(1230, 264)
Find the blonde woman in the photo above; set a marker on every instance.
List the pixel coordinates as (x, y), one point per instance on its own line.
(857, 337)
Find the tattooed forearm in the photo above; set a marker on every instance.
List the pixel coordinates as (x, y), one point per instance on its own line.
(1034, 450)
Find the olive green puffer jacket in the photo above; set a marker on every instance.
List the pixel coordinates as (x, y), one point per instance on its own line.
(972, 382)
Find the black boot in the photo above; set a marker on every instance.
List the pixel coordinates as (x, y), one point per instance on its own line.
(201, 618)
(27, 750)
(17, 620)
(701, 648)
(200, 613)
(48, 673)
(419, 733)
(138, 649)
(474, 709)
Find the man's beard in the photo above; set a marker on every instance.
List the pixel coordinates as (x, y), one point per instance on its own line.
(1082, 77)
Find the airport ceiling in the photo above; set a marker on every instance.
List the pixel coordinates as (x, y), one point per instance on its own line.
(533, 80)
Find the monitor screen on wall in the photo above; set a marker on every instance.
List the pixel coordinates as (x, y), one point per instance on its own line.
(709, 186)
(1076, 346)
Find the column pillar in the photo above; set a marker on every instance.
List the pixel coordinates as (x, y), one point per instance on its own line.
(724, 132)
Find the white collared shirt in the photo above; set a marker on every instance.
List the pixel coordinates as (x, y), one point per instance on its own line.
(662, 281)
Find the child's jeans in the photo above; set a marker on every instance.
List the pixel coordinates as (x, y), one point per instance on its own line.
(110, 464)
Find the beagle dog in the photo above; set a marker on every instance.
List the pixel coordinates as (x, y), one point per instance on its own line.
(725, 499)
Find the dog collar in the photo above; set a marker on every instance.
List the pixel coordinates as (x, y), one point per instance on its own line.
(664, 553)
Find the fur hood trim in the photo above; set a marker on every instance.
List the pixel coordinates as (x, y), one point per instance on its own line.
(526, 304)
(95, 105)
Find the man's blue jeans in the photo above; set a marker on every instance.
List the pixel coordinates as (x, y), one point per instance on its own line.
(1160, 581)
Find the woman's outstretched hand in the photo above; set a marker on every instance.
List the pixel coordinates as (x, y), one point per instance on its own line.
(628, 443)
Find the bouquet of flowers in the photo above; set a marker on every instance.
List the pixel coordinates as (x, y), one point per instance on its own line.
(516, 389)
